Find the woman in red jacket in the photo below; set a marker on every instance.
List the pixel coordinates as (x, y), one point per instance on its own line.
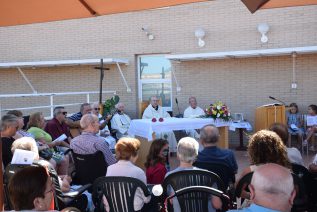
(156, 161)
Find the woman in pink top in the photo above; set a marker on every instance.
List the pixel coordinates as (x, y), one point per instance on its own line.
(155, 162)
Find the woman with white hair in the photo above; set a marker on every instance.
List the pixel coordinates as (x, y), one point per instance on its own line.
(187, 151)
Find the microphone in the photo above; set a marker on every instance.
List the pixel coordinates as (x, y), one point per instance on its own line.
(271, 97)
(179, 114)
(176, 100)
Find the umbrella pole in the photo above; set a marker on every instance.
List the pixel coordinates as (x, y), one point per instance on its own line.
(1, 179)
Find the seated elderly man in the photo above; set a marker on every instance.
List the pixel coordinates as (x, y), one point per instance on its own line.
(8, 129)
(272, 189)
(104, 130)
(120, 121)
(193, 111)
(187, 151)
(209, 138)
(88, 142)
(57, 126)
(154, 110)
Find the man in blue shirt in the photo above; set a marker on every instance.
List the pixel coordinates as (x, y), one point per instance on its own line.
(271, 189)
(209, 137)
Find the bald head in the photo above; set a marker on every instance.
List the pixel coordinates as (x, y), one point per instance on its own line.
(209, 135)
(120, 107)
(89, 120)
(273, 187)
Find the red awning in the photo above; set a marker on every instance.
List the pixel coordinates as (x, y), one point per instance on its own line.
(18, 12)
(254, 5)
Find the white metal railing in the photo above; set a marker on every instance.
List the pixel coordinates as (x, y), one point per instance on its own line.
(51, 98)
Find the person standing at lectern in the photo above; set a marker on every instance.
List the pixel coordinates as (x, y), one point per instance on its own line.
(154, 110)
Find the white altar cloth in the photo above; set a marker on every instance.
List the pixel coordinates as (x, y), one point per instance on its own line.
(145, 127)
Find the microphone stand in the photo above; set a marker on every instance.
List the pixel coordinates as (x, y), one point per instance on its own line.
(179, 114)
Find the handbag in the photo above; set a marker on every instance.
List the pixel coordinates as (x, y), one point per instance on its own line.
(46, 154)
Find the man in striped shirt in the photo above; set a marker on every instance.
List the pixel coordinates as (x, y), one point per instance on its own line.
(88, 142)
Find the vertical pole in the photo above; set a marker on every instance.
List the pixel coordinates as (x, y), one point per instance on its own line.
(88, 98)
(52, 105)
(100, 87)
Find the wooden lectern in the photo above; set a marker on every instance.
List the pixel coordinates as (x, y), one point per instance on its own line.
(269, 114)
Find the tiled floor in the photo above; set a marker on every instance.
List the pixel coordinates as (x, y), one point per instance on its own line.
(243, 161)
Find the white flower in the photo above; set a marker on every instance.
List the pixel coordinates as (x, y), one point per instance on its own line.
(218, 115)
(218, 107)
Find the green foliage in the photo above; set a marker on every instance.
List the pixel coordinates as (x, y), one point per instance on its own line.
(109, 105)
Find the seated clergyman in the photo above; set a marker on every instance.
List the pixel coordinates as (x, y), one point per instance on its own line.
(154, 110)
(193, 111)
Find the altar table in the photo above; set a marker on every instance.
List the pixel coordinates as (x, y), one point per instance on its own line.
(145, 129)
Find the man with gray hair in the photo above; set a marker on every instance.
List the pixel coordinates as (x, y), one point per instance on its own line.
(88, 142)
(8, 128)
(120, 121)
(57, 126)
(271, 189)
(73, 121)
(209, 137)
(187, 151)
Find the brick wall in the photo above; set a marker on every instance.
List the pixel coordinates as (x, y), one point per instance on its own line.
(243, 84)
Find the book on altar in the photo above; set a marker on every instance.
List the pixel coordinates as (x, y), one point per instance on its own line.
(311, 120)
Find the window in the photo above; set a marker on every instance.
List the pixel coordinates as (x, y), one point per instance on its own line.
(155, 79)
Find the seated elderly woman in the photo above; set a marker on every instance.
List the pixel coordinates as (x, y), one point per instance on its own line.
(31, 188)
(265, 147)
(127, 154)
(187, 151)
(35, 127)
(29, 144)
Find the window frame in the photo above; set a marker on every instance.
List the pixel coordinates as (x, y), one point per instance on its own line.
(153, 81)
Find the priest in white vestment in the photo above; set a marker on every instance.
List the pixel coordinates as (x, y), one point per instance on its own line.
(154, 110)
(193, 111)
(120, 121)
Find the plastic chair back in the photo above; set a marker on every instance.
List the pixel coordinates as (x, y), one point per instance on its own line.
(89, 167)
(186, 178)
(119, 192)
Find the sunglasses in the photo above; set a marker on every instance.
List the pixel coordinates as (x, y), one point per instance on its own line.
(64, 113)
(97, 108)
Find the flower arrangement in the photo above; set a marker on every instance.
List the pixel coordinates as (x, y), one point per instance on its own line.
(218, 110)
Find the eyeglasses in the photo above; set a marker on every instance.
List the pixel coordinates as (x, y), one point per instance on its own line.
(64, 113)
(97, 108)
